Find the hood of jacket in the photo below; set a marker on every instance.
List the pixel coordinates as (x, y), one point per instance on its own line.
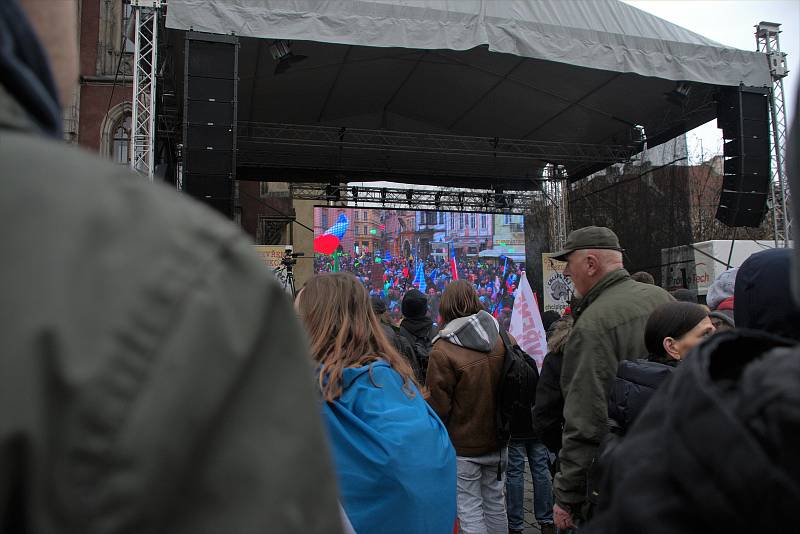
(762, 296)
(559, 334)
(418, 326)
(477, 332)
(25, 76)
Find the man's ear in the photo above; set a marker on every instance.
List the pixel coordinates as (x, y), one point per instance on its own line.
(670, 349)
(592, 264)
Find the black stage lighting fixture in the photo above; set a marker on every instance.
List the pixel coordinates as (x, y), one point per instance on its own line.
(332, 193)
(282, 52)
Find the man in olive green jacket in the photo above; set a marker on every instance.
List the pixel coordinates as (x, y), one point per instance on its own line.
(609, 327)
(153, 378)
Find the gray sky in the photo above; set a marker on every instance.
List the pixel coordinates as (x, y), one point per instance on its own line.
(731, 22)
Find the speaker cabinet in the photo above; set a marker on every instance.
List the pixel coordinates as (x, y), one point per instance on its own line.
(743, 116)
(211, 76)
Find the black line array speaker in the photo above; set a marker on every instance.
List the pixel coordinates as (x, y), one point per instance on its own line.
(743, 116)
(211, 75)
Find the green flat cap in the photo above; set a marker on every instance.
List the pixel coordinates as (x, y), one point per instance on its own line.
(589, 237)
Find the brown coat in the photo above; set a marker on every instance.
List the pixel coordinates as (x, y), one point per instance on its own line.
(463, 392)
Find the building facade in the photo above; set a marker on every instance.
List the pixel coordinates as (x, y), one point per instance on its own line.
(468, 233)
(99, 118)
(509, 233)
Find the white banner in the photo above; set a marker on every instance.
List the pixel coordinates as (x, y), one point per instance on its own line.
(526, 323)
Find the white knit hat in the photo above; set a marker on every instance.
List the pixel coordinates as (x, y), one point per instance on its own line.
(722, 288)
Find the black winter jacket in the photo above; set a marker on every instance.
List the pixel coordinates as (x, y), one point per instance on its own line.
(548, 412)
(715, 449)
(635, 383)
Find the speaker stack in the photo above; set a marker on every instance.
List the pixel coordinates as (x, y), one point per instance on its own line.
(743, 116)
(211, 75)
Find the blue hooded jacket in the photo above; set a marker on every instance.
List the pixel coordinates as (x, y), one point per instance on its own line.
(394, 461)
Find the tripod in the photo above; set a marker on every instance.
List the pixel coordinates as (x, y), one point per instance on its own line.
(285, 272)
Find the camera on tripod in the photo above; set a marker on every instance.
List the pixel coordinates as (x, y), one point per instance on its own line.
(290, 258)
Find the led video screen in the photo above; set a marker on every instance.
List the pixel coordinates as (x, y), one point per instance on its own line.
(392, 251)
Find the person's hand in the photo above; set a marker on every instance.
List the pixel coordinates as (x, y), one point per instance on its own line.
(562, 518)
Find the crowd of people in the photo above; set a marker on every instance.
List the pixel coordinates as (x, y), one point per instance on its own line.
(495, 281)
(155, 378)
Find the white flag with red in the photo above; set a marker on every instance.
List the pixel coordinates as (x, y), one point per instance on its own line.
(526, 323)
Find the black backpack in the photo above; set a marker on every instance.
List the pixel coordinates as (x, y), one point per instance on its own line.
(516, 392)
(422, 351)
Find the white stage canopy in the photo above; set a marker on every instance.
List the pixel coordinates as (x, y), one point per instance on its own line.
(479, 93)
(598, 34)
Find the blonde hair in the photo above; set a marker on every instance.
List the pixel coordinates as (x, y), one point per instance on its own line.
(345, 332)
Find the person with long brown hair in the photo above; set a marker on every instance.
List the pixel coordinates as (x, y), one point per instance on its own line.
(464, 373)
(394, 461)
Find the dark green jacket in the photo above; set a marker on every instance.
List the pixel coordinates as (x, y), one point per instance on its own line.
(609, 327)
(152, 375)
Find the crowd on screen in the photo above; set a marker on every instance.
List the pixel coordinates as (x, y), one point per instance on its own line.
(495, 280)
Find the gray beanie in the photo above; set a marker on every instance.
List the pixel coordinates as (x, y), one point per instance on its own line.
(722, 288)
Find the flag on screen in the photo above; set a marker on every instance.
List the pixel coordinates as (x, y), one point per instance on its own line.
(526, 323)
(339, 227)
(453, 264)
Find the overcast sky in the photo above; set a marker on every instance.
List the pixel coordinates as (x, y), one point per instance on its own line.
(731, 22)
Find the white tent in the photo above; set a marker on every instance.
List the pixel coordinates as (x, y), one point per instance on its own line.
(599, 34)
(476, 93)
(499, 253)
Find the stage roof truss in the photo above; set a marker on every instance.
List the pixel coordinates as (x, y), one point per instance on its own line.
(466, 200)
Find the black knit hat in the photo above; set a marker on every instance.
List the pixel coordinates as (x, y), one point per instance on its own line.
(415, 304)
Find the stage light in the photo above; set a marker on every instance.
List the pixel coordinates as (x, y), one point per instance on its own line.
(680, 94)
(281, 51)
(332, 193)
(499, 199)
(409, 196)
(437, 199)
(383, 195)
(354, 192)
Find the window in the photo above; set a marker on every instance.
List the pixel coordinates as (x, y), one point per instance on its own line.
(263, 189)
(483, 222)
(452, 222)
(129, 45)
(366, 230)
(324, 220)
(120, 144)
(355, 229)
(472, 220)
(272, 230)
(506, 219)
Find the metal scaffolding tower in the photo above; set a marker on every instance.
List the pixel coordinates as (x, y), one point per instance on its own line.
(143, 119)
(556, 190)
(767, 41)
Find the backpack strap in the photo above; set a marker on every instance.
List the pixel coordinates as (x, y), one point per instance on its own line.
(506, 340)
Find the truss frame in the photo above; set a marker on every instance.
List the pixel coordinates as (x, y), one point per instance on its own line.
(768, 42)
(471, 200)
(143, 115)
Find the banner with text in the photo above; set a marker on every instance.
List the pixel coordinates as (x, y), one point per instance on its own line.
(526, 323)
(557, 288)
